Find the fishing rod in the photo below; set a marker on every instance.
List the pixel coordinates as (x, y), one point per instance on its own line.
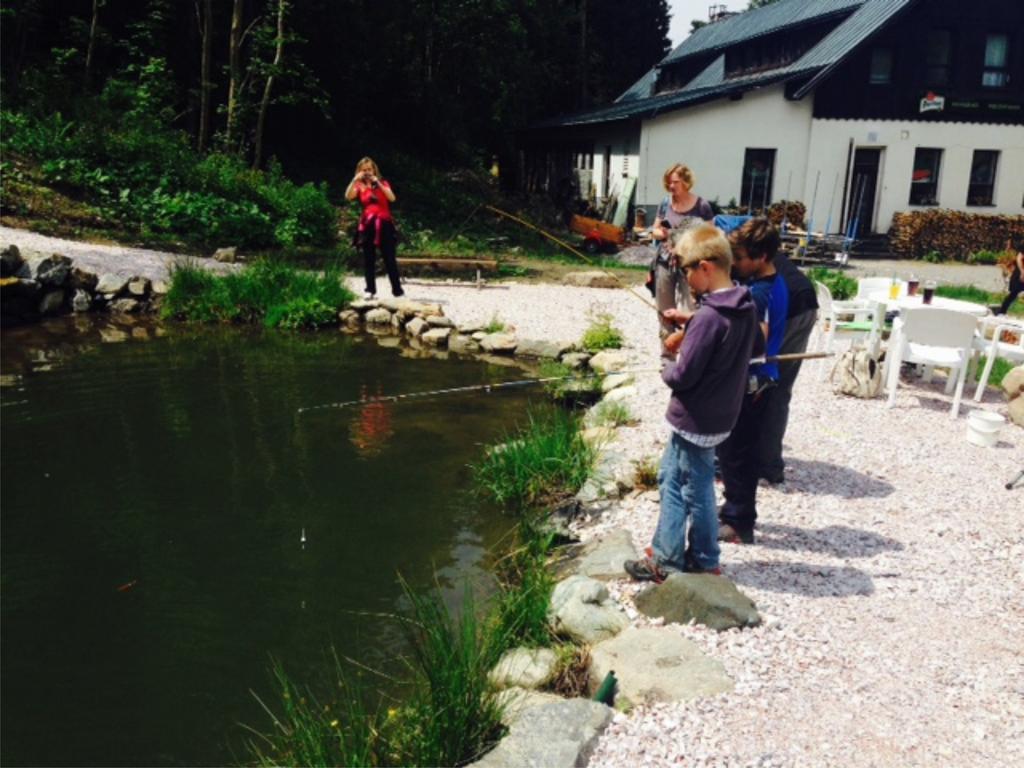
(568, 247)
(530, 382)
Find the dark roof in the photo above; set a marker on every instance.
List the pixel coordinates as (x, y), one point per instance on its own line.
(712, 84)
(757, 23)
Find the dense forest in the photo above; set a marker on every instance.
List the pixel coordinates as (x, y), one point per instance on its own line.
(147, 106)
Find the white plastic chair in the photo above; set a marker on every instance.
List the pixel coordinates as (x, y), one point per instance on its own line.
(932, 337)
(869, 285)
(854, 320)
(997, 347)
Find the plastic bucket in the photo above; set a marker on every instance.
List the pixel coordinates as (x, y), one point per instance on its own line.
(983, 428)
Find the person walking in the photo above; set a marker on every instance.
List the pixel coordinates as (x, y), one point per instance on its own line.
(1015, 268)
(376, 225)
(679, 211)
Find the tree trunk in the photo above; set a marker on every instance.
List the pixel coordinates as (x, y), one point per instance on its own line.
(234, 70)
(90, 50)
(257, 160)
(205, 86)
(583, 53)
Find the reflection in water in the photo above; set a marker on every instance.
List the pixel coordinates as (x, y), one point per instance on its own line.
(154, 496)
(371, 429)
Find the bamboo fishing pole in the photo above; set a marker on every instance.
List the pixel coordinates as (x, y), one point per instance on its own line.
(568, 247)
(530, 382)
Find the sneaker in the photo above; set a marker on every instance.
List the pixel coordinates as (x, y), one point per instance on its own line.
(645, 570)
(690, 565)
(399, 293)
(732, 535)
(368, 296)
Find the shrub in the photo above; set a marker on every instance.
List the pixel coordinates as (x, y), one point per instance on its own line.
(525, 585)
(272, 292)
(646, 474)
(985, 257)
(933, 257)
(601, 335)
(544, 457)
(495, 324)
(841, 286)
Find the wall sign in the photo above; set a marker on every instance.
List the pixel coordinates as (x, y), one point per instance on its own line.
(932, 103)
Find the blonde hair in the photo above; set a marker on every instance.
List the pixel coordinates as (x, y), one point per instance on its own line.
(704, 243)
(684, 173)
(367, 161)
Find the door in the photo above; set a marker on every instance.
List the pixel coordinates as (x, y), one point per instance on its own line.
(860, 213)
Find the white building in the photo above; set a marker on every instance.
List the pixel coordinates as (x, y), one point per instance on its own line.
(858, 108)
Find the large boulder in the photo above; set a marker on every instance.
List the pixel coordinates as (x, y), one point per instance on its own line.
(576, 360)
(542, 348)
(84, 280)
(51, 302)
(582, 609)
(525, 668)
(706, 599)
(436, 337)
(226, 255)
(557, 735)
(416, 326)
(82, 301)
(378, 317)
(10, 261)
(499, 343)
(609, 361)
(110, 284)
(591, 279)
(656, 664)
(604, 558)
(48, 271)
(462, 344)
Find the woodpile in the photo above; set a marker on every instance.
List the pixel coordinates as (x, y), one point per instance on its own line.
(793, 211)
(953, 234)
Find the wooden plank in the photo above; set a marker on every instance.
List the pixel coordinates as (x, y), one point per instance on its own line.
(584, 225)
(449, 263)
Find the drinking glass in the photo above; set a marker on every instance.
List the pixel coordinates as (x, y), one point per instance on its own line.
(929, 291)
(912, 284)
(894, 289)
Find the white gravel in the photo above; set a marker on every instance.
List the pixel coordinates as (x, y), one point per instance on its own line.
(888, 569)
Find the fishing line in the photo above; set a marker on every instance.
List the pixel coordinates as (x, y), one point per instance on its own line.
(529, 382)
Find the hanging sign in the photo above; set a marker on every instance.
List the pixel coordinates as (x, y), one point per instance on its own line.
(932, 103)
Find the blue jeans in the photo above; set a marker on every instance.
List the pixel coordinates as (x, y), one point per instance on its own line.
(686, 480)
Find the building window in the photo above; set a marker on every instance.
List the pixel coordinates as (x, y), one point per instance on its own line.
(881, 66)
(924, 182)
(983, 177)
(996, 73)
(937, 56)
(758, 169)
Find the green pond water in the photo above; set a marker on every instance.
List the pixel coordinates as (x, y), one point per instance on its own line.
(155, 496)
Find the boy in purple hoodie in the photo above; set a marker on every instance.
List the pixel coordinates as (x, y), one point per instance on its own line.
(708, 381)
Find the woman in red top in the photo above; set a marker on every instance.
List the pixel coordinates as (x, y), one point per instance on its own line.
(376, 226)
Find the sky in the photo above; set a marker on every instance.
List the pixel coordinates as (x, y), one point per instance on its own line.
(684, 11)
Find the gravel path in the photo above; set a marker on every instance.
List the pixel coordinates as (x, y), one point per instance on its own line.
(888, 567)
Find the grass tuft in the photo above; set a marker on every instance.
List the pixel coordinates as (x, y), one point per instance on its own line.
(602, 335)
(271, 292)
(546, 456)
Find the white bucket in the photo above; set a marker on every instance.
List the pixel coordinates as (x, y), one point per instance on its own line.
(983, 428)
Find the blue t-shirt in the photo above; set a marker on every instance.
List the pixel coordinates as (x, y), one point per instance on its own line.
(771, 297)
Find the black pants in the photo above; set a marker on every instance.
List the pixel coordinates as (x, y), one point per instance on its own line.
(737, 458)
(1016, 287)
(776, 418)
(388, 248)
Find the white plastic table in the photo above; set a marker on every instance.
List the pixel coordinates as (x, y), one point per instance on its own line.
(939, 302)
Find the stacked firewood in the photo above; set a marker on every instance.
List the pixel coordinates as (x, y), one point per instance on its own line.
(954, 235)
(792, 210)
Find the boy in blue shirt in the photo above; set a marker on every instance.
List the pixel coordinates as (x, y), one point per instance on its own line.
(754, 246)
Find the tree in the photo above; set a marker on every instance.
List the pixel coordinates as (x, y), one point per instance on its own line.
(275, 66)
(235, 38)
(205, 85)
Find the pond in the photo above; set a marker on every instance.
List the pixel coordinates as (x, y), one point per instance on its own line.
(170, 522)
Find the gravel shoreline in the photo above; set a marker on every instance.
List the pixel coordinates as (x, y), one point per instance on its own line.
(889, 568)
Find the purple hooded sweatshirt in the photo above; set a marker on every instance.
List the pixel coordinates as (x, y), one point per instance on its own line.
(709, 378)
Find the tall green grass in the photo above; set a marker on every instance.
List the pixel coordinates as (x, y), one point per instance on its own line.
(270, 292)
(545, 457)
(451, 716)
(520, 613)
